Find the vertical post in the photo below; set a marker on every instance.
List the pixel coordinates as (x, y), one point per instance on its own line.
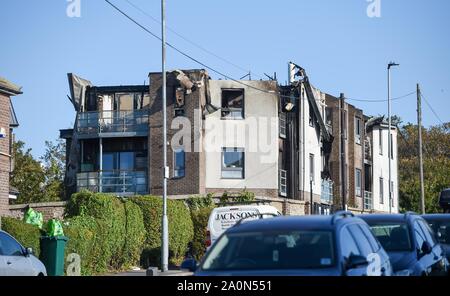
(165, 222)
(343, 181)
(311, 206)
(389, 138)
(419, 124)
(100, 174)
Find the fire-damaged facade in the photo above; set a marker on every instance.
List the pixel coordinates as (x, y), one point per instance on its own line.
(277, 141)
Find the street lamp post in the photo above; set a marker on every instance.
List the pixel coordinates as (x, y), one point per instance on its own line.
(165, 222)
(390, 65)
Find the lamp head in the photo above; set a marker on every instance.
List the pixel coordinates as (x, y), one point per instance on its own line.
(392, 64)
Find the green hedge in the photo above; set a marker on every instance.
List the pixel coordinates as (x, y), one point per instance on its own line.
(109, 209)
(180, 229)
(134, 235)
(87, 239)
(200, 219)
(26, 234)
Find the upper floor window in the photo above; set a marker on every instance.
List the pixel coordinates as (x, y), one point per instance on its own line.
(345, 124)
(392, 147)
(358, 182)
(357, 130)
(311, 116)
(179, 167)
(232, 103)
(233, 163)
(381, 191)
(282, 123)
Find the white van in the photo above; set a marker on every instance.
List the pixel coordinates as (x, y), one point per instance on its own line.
(225, 217)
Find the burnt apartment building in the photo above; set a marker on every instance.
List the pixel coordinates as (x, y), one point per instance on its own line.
(8, 121)
(359, 161)
(117, 142)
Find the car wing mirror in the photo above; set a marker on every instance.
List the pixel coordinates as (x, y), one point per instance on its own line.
(355, 261)
(189, 264)
(28, 252)
(426, 248)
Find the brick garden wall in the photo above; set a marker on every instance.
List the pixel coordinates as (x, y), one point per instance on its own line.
(48, 209)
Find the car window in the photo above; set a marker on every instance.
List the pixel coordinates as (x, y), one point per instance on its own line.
(394, 237)
(272, 250)
(9, 247)
(428, 233)
(361, 240)
(348, 244)
(419, 235)
(370, 237)
(442, 231)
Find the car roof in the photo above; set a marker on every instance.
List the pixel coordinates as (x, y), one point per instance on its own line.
(371, 218)
(292, 223)
(436, 217)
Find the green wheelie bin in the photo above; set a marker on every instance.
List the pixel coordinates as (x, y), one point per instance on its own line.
(52, 254)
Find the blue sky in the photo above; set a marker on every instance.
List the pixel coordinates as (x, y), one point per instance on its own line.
(342, 49)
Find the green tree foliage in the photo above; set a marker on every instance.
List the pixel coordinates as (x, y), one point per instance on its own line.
(28, 175)
(54, 161)
(38, 180)
(436, 162)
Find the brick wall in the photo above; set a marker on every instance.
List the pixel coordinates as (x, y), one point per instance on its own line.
(4, 152)
(193, 182)
(49, 210)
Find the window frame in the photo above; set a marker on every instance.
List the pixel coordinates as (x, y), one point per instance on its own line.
(358, 130)
(381, 190)
(283, 125)
(312, 169)
(224, 168)
(356, 182)
(228, 109)
(176, 169)
(380, 141)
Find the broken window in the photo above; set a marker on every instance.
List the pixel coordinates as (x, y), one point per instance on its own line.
(233, 103)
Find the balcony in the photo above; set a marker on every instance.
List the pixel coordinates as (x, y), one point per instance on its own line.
(368, 201)
(112, 124)
(327, 191)
(117, 182)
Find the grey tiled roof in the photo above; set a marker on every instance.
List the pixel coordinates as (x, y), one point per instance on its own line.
(9, 87)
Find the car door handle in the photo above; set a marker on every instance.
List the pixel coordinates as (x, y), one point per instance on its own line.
(9, 263)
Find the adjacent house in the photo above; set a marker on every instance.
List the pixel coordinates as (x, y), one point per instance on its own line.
(8, 121)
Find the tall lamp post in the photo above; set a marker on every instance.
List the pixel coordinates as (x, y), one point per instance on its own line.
(390, 65)
(165, 222)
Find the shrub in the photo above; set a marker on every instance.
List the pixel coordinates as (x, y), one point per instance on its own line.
(86, 238)
(200, 219)
(180, 229)
(199, 202)
(134, 235)
(26, 234)
(240, 197)
(105, 207)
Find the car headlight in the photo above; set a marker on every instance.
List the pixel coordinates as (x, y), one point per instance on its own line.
(404, 272)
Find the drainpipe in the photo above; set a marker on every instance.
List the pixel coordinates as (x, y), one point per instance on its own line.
(100, 177)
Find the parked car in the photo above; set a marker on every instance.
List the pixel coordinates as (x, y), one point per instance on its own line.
(336, 245)
(15, 260)
(410, 243)
(223, 218)
(444, 200)
(440, 224)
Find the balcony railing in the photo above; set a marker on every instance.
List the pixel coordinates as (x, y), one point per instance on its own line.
(368, 201)
(117, 182)
(327, 191)
(113, 122)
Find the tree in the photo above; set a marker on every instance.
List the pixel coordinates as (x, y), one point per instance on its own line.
(436, 159)
(54, 160)
(28, 175)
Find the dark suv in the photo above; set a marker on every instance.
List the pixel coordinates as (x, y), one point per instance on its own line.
(440, 224)
(410, 243)
(336, 245)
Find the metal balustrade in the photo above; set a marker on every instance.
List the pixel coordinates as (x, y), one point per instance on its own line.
(117, 182)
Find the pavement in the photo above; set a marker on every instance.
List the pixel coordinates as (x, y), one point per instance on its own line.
(143, 272)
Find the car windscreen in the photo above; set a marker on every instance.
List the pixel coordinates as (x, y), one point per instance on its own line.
(442, 230)
(272, 250)
(394, 237)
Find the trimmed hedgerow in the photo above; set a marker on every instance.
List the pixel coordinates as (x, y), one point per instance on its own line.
(180, 229)
(87, 239)
(107, 208)
(26, 234)
(134, 235)
(200, 219)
